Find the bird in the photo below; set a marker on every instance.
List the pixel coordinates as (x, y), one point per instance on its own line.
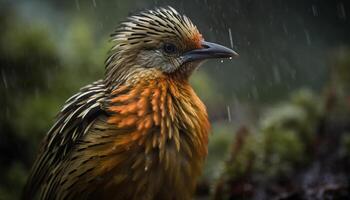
(140, 132)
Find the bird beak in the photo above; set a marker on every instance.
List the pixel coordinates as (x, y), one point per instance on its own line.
(209, 50)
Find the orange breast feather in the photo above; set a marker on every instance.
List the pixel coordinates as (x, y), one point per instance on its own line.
(164, 141)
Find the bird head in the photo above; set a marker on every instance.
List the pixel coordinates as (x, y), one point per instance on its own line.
(162, 42)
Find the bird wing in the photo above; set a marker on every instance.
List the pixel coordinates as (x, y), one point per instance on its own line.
(73, 121)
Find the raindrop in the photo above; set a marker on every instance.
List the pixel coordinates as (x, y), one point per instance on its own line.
(222, 61)
(94, 3)
(228, 113)
(292, 74)
(148, 163)
(77, 4)
(255, 93)
(341, 11)
(230, 58)
(4, 79)
(314, 10)
(253, 77)
(276, 75)
(285, 28)
(307, 35)
(230, 35)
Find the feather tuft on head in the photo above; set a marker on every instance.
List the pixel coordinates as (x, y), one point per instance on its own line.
(152, 26)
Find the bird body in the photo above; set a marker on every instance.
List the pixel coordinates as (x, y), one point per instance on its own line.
(141, 132)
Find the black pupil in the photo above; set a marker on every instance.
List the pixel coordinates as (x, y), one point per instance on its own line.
(169, 48)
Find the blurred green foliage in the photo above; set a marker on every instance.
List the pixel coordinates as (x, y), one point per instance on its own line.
(28, 61)
(37, 77)
(279, 142)
(291, 137)
(341, 69)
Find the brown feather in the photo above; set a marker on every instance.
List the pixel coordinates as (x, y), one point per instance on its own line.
(177, 159)
(141, 133)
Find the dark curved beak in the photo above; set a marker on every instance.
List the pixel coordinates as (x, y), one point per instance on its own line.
(209, 50)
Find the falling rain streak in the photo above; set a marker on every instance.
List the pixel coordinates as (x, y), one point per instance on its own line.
(4, 79)
(77, 4)
(314, 10)
(228, 113)
(341, 11)
(230, 35)
(307, 35)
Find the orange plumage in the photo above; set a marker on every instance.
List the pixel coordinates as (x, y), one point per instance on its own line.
(141, 132)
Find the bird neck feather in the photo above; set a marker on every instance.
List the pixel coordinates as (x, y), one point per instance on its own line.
(161, 110)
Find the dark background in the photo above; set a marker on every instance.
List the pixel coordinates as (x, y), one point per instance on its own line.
(294, 61)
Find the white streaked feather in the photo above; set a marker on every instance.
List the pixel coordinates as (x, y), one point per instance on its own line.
(165, 20)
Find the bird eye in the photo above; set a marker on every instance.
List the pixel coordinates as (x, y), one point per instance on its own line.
(169, 48)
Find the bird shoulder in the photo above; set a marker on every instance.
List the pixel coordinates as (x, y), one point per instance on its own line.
(72, 123)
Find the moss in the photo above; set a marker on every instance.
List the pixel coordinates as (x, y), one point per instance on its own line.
(281, 150)
(242, 162)
(279, 143)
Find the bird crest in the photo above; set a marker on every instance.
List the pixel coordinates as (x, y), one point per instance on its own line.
(152, 26)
